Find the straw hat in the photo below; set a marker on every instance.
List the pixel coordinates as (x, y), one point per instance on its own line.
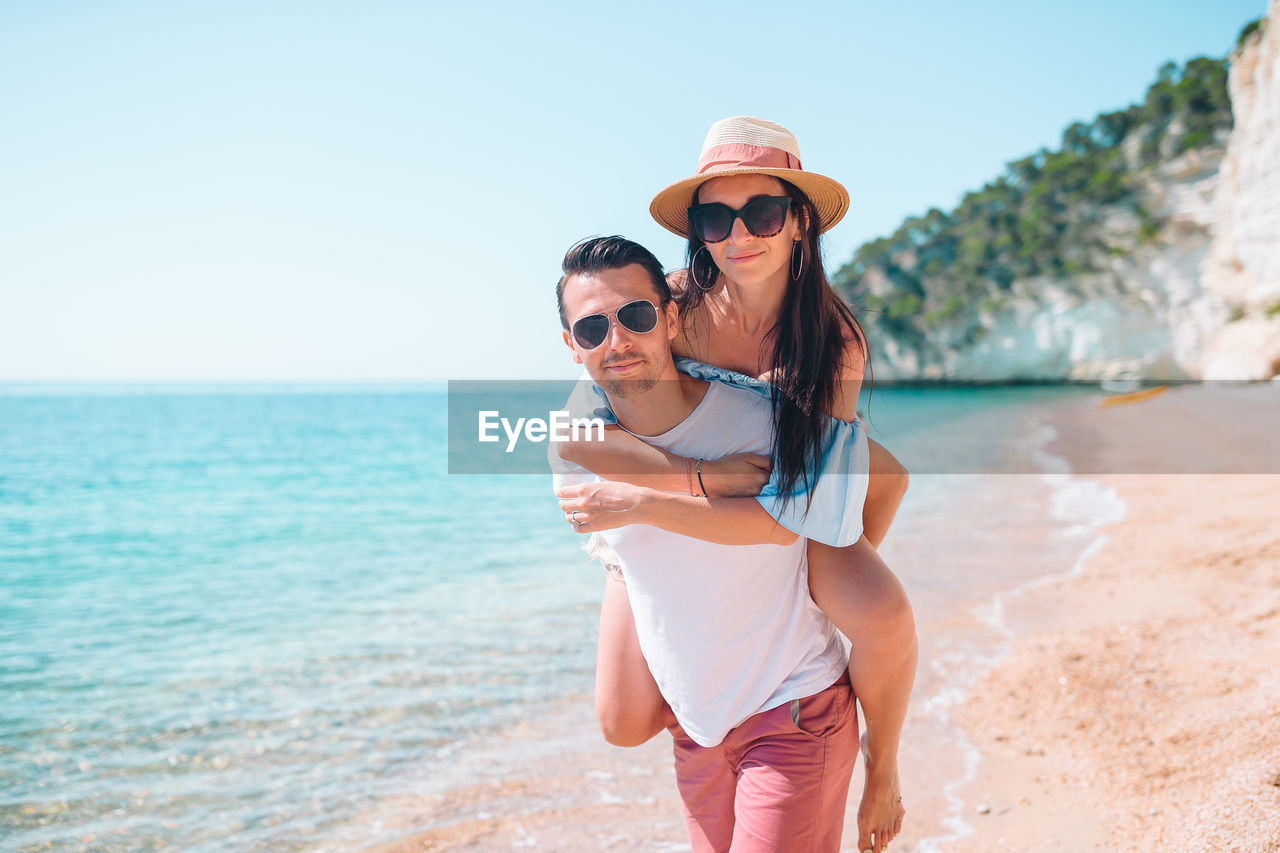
(744, 145)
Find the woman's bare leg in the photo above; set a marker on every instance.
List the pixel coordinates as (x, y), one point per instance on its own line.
(628, 704)
(885, 490)
(866, 602)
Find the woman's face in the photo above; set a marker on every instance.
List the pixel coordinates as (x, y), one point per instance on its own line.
(748, 260)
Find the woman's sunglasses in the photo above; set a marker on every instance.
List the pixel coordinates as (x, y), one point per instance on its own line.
(640, 317)
(763, 216)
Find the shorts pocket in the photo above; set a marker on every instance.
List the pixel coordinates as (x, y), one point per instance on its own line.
(823, 714)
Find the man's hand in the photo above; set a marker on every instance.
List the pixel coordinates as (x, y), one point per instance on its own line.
(589, 507)
(738, 475)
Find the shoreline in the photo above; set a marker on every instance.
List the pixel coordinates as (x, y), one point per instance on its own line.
(1082, 509)
(626, 799)
(996, 615)
(552, 784)
(1137, 710)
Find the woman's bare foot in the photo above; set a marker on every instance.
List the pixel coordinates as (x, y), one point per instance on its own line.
(880, 813)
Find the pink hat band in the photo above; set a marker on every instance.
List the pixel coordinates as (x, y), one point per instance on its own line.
(741, 155)
(744, 145)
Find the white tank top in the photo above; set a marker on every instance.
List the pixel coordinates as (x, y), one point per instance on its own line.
(728, 630)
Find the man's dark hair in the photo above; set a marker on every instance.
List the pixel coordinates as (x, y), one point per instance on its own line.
(599, 254)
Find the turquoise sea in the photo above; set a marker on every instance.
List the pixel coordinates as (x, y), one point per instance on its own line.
(231, 618)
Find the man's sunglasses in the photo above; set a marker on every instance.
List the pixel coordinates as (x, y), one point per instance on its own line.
(763, 216)
(640, 317)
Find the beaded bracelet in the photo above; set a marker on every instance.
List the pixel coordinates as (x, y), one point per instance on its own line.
(688, 475)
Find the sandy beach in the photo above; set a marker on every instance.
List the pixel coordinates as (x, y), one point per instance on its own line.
(1140, 708)
(1136, 705)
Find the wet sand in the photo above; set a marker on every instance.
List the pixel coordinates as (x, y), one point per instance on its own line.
(550, 785)
(1140, 708)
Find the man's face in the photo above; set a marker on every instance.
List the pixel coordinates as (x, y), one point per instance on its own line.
(627, 363)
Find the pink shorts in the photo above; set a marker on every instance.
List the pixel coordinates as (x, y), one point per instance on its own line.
(777, 782)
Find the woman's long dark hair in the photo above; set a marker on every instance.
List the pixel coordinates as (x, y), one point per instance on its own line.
(808, 348)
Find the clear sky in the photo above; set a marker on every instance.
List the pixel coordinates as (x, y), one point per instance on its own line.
(383, 190)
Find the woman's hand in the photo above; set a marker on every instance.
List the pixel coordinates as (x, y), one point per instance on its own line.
(589, 507)
(738, 475)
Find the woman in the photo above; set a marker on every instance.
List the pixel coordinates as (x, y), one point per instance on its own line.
(755, 300)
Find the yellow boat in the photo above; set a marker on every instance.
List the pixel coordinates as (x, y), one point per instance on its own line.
(1145, 394)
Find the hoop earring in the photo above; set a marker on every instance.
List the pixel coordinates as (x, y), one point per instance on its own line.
(693, 270)
(797, 261)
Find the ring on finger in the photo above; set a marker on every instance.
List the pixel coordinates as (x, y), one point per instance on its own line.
(573, 516)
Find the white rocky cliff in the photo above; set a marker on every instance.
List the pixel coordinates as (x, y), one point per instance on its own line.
(1198, 299)
(1243, 266)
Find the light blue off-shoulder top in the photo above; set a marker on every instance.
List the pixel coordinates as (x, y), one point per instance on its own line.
(834, 515)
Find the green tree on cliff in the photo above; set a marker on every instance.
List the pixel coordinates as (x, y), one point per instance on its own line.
(1044, 215)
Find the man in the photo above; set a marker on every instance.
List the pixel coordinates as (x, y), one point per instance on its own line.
(753, 674)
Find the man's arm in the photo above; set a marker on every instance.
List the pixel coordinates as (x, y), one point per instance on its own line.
(590, 507)
(627, 459)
